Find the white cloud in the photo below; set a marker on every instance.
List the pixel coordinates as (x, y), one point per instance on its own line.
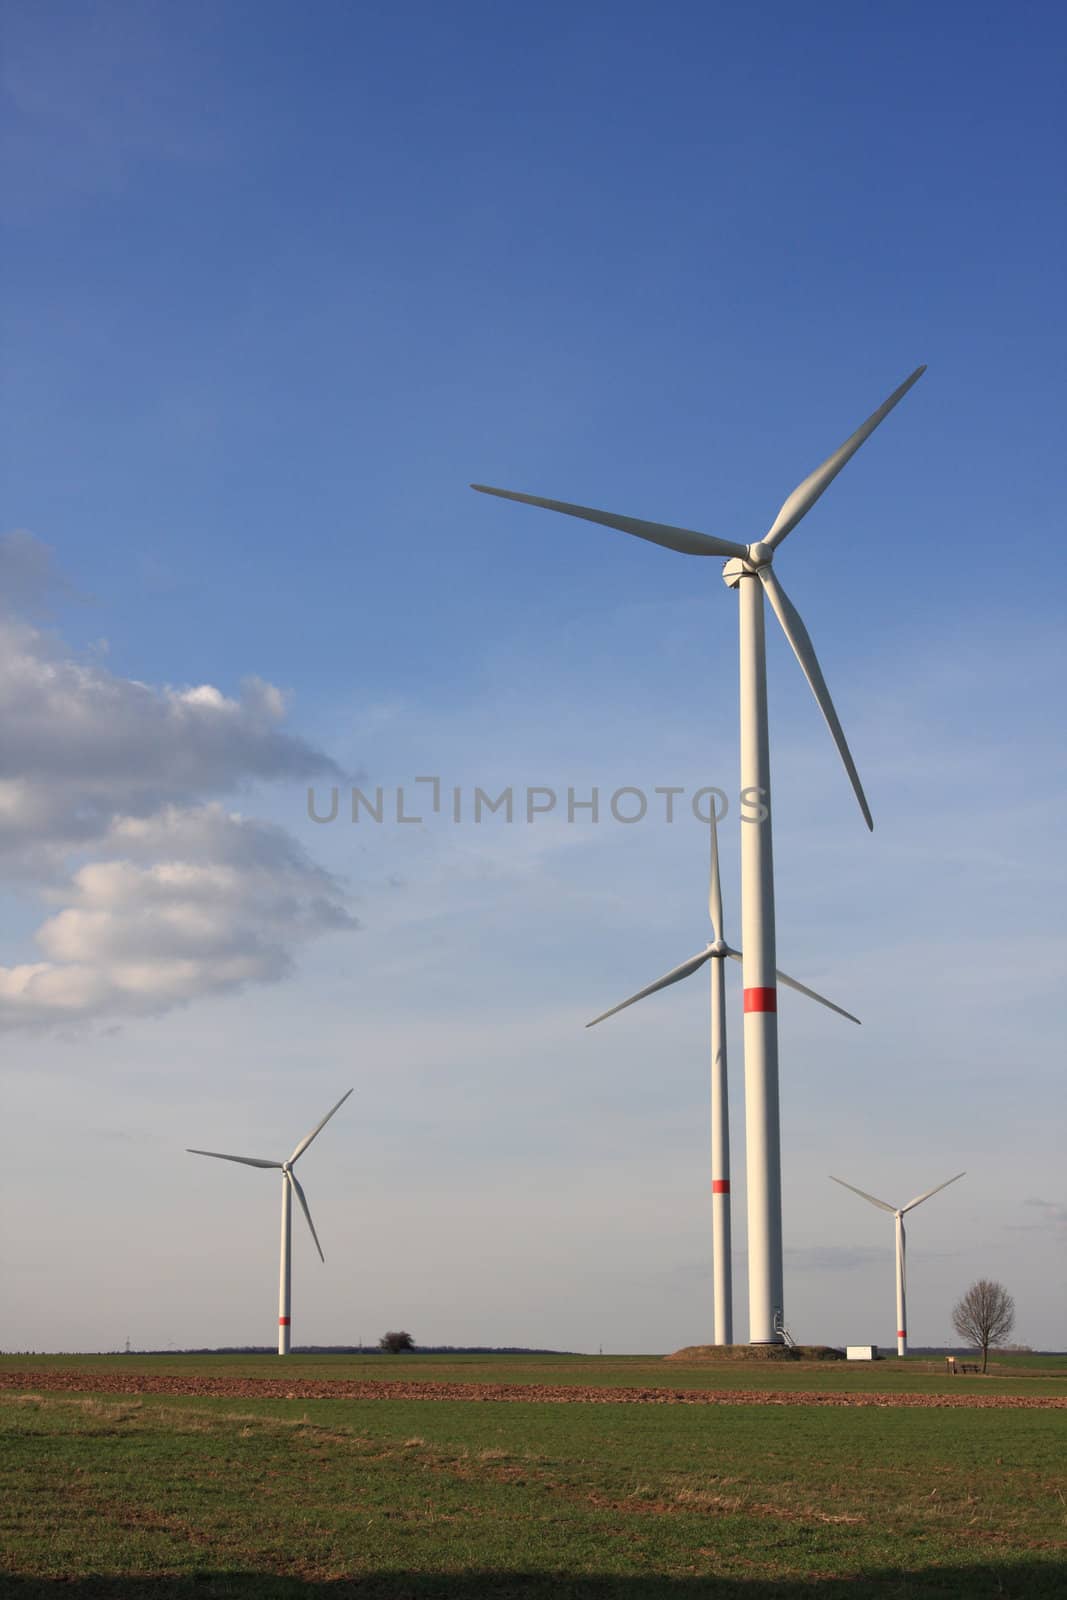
(108, 806)
(82, 746)
(140, 938)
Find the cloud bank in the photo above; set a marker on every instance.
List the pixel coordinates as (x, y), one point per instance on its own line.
(111, 808)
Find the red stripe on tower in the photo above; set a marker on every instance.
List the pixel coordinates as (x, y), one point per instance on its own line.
(283, 1322)
(720, 1186)
(902, 1333)
(761, 1000)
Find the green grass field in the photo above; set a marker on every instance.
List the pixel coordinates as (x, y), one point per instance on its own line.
(169, 1496)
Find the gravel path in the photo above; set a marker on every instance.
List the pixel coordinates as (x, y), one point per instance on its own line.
(134, 1383)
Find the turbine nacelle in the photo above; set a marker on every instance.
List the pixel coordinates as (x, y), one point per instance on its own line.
(747, 566)
(739, 567)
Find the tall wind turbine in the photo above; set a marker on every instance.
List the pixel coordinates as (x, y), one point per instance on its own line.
(290, 1186)
(749, 570)
(899, 1213)
(714, 955)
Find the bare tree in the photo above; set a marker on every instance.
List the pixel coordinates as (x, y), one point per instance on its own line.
(985, 1316)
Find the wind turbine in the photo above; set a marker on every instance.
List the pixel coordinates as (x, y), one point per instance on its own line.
(899, 1213)
(714, 955)
(290, 1186)
(749, 570)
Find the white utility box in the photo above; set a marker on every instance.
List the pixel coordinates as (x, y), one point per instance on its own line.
(861, 1352)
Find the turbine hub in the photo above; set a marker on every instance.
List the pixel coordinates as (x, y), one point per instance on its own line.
(760, 555)
(717, 948)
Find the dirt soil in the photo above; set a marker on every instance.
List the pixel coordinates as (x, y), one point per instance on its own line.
(539, 1393)
(701, 1354)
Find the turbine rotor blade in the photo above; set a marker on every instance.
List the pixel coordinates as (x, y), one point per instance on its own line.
(714, 885)
(300, 1195)
(812, 994)
(805, 494)
(802, 647)
(674, 976)
(882, 1205)
(685, 540)
(302, 1146)
(246, 1161)
(920, 1198)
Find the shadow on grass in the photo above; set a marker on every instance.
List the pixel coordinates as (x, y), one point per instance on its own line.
(1036, 1580)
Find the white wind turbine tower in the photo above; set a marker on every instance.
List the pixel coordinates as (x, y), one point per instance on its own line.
(899, 1213)
(290, 1186)
(715, 954)
(749, 570)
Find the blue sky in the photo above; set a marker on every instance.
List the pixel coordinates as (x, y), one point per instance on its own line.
(281, 282)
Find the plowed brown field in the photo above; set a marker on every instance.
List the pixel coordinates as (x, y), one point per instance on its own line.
(554, 1394)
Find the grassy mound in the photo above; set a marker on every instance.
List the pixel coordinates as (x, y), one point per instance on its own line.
(756, 1352)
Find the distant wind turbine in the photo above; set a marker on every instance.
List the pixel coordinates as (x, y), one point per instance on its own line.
(715, 954)
(290, 1186)
(899, 1213)
(749, 570)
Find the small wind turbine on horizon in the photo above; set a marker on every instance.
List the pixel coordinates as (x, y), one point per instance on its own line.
(714, 955)
(899, 1213)
(749, 570)
(290, 1186)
